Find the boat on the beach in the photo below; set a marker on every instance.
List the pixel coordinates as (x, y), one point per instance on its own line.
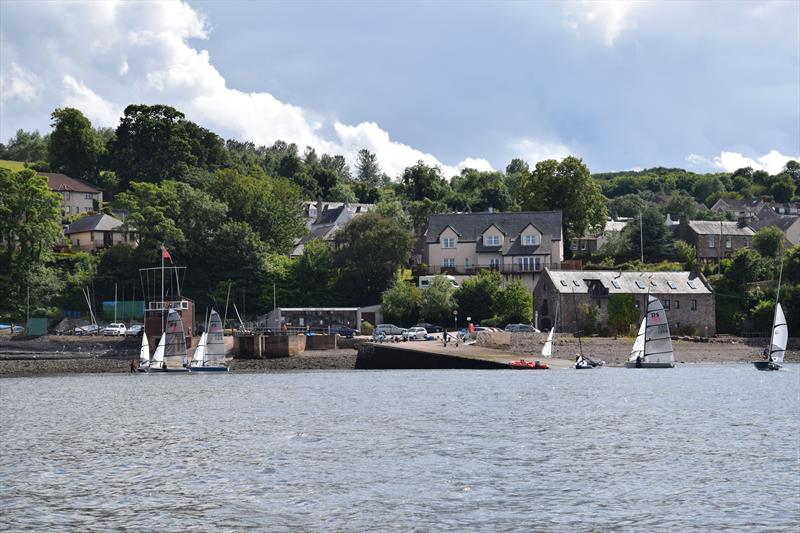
(522, 364)
(210, 353)
(582, 361)
(773, 356)
(144, 355)
(653, 345)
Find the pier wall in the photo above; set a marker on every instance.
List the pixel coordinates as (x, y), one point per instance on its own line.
(386, 356)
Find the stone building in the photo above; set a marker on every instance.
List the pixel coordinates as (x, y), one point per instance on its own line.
(77, 196)
(687, 297)
(714, 239)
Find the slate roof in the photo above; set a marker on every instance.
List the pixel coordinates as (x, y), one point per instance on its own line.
(470, 227)
(101, 222)
(62, 182)
(736, 204)
(332, 215)
(713, 227)
(658, 282)
(783, 223)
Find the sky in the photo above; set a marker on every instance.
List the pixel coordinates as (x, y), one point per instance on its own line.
(707, 86)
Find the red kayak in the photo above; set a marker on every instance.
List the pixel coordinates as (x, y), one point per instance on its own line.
(522, 364)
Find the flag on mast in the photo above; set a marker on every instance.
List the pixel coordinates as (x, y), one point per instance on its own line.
(165, 253)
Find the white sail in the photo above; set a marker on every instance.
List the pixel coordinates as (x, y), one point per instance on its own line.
(638, 344)
(158, 355)
(215, 344)
(657, 341)
(547, 350)
(780, 335)
(144, 352)
(175, 345)
(199, 357)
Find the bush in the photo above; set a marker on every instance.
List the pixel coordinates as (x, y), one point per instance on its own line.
(622, 312)
(366, 328)
(590, 315)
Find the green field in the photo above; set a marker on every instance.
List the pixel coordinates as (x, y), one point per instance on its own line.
(12, 165)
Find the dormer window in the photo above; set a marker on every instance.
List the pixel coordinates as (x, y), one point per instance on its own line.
(448, 242)
(493, 240)
(530, 240)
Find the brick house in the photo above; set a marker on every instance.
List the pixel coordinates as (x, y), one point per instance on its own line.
(714, 239)
(518, 245)
(77, 196)
(687, 297)
(95, 232)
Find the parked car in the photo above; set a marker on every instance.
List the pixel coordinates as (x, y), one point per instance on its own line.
(389, 329)
(344, 331)
(429, 327)
(114, 329)
(89, 329)
(415, 333)
(135, 330)
(521, 328)
(7, 329)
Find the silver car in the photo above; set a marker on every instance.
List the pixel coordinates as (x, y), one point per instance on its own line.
(415, 333)
(389, 329)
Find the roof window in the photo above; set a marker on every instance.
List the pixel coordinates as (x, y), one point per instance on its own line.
(672, 285)
(691, 284)
(653, 283)
(576, 283)
(639, 284)
(615, 283)
(564, 283)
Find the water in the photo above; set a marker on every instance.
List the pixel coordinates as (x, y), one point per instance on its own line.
(695, 448)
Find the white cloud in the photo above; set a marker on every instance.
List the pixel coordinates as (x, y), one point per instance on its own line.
(478, 164)
(123, 68)
(609, 17)
(20, 84)
(773, 161)
(534, 151)
(97, 109)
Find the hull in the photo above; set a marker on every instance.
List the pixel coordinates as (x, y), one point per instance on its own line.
(766, 365)
(650, 365)
(142, 370)
(209, 369)
(166, 370)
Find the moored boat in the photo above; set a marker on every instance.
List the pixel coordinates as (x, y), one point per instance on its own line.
(653, 345)
(144, 355)
(773, 355)
(522, 364)
(212, 348)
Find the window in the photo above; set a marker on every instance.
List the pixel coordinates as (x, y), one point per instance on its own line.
(66, 195)
(672, 285)
(728, 243)
(67, 210)
(88, 196)
(653, 283)
(449, 261)
(576, 283)
(574, 245)
(665, 303)
(694, 305)
(526, 264)
(537, 263)
(583, 245)
(312, 211)
(493, 240)
(448, 242)
(616, 284)
(77, 242)
(712, 243)
(676, 304)
(564, 283)
(466, 262)
(494, 263)
(531, 240)
(690, 284)
(639, 284)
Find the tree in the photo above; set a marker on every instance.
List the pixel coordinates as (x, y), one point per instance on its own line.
(74, 147)
(421, 182)
(401, 303)
(27, 146)
(782, 189)
(686, 254)
(656, 236)
(151, 145)
(627, 205)
(438, 302)
(791, 266)
(622, 312)
(368, 252)
(768, 241)
(746, 266)
(590, 315)
(30, 215)
(513, 304)
(567, 186)
(367, 169)
(477, 294)
(705, 186)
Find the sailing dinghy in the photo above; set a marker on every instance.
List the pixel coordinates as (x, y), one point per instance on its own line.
(174, 345)
(212, 357)
(777, 343)
(653, 345)
(144, 355)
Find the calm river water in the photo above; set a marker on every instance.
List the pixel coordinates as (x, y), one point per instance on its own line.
(700, 447)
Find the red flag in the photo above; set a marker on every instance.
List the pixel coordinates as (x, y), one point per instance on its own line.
(165, 253)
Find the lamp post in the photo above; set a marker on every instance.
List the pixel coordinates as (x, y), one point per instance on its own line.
(455, 320)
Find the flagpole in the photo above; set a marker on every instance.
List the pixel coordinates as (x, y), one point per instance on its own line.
(163, 326)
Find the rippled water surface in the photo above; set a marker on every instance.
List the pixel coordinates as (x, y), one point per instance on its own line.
(698, 447)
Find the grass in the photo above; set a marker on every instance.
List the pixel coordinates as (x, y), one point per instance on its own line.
(12, 165)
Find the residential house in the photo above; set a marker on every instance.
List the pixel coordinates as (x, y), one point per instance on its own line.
(714, 239)
(95, 232)
(330, 217)
(789, 225)
(590, 244)
(739, 209)
(77, 196)
(687, 298)
(518, 245)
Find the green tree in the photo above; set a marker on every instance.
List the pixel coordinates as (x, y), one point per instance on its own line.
(768, 241)
(656, 236)
(791, 264)
(421, 182)
(401, 303)
(705, 186)
(74, 148)
(438, 302)
(686, 254)
(367, 169)
(27, 146)
(30, 215)
(746, 266)
(477, 294)
(622, 312)
(590, 318)
(513, 304)
(568, 186)
(782, 189)
(368, 252)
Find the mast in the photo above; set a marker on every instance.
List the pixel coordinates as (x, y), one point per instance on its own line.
(646, 317)
(775, 311)
(115, 301)
(577, 327)
(163, 323)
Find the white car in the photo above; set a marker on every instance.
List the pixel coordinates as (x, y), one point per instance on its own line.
(114, 329)
(415, 333)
